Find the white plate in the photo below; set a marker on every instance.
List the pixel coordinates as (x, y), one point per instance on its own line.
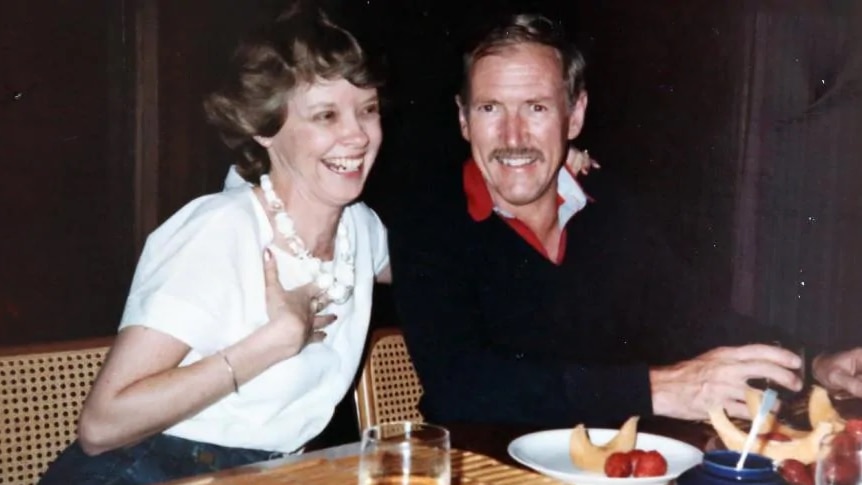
(547, 452)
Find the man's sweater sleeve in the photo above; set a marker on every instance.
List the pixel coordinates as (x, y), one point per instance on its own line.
(465, 377)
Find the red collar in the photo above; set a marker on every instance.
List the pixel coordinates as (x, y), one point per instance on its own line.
(479, 203)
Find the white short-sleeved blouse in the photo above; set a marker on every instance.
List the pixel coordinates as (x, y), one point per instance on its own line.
(200, 279)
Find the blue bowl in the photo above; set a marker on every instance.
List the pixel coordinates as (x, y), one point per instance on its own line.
(719, 468)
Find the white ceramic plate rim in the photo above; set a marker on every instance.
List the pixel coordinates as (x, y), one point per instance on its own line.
(535, 450)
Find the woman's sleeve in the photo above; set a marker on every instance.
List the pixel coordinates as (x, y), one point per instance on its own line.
(189, 276)
(379, 242)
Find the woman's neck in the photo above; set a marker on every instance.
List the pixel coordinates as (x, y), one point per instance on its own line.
(315, 223)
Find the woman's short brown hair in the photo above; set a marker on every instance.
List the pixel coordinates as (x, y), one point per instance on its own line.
(300, 46)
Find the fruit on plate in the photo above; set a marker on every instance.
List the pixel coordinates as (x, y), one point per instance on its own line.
(803, 449)
(774, 436)
(795, 472)
(650, 464)
(591, 457)
(777, 440)
(637, 463)
(854, 427)
(771, 425)
(820, 409)
(802, 445)
(618, 465)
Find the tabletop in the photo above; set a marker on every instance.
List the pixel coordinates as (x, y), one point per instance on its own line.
(479, 457)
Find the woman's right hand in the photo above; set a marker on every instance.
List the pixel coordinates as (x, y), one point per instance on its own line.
(292, 313)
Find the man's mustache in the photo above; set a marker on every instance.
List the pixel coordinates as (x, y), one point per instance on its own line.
(517, 152)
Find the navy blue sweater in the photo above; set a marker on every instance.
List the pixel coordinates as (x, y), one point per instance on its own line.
(498, 333)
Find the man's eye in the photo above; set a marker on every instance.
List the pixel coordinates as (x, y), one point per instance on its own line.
(485, 108)
(538, 108)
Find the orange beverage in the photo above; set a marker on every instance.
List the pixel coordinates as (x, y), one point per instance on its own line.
(404, 480)
(404, 454)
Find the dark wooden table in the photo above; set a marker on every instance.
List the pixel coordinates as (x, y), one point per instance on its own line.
(493, 439)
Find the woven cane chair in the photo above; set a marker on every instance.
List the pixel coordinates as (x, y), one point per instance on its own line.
(42, 389)
(388, 388)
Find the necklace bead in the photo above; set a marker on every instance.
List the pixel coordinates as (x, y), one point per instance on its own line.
(339, 281)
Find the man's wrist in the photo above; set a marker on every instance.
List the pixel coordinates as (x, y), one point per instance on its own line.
(663, 401)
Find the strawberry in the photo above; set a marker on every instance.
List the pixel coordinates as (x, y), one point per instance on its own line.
(618, 465)
(650, 464)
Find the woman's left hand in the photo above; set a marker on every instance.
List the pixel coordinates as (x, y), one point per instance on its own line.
(579, 162)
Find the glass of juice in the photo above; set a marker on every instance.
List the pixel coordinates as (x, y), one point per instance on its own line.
(404, 453)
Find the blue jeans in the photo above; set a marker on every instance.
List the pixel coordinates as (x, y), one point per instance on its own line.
(157, 459)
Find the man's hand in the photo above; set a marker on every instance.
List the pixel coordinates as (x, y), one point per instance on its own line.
(689, 389)
(841, 371)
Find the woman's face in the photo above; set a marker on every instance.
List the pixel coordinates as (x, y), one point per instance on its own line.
(328, 142)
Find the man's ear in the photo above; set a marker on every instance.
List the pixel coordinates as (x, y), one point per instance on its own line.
(577, 114)
(263, 141)
(462, 117)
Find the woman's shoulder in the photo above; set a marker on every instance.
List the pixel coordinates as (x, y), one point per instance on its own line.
(364, 216)
(234, 201)
(221, 212)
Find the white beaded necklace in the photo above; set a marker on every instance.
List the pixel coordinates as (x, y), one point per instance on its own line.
(338, 284)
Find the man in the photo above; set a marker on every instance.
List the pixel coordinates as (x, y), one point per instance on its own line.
(525, 300)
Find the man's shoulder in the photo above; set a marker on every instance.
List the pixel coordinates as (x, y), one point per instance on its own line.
(436, 196)
(619, 212)
(610, 190)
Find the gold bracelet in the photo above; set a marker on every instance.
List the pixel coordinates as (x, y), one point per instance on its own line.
(230, 370)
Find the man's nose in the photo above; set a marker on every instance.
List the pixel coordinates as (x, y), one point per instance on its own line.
(514, 131)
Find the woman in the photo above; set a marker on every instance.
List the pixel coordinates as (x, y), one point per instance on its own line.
(216, 364)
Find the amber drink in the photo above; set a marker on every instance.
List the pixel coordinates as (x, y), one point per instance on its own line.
(404, 453)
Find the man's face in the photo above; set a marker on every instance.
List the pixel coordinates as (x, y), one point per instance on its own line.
(518, 121)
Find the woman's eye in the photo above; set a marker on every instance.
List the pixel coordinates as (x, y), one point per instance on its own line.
(371, 109)
(325, 116)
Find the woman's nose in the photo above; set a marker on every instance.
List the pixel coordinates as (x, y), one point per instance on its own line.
(353, 133)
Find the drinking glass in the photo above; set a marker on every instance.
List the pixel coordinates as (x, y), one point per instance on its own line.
(838, 460)
(404, 453)
(785, 395)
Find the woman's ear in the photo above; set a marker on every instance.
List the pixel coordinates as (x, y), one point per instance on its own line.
(263, 141)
